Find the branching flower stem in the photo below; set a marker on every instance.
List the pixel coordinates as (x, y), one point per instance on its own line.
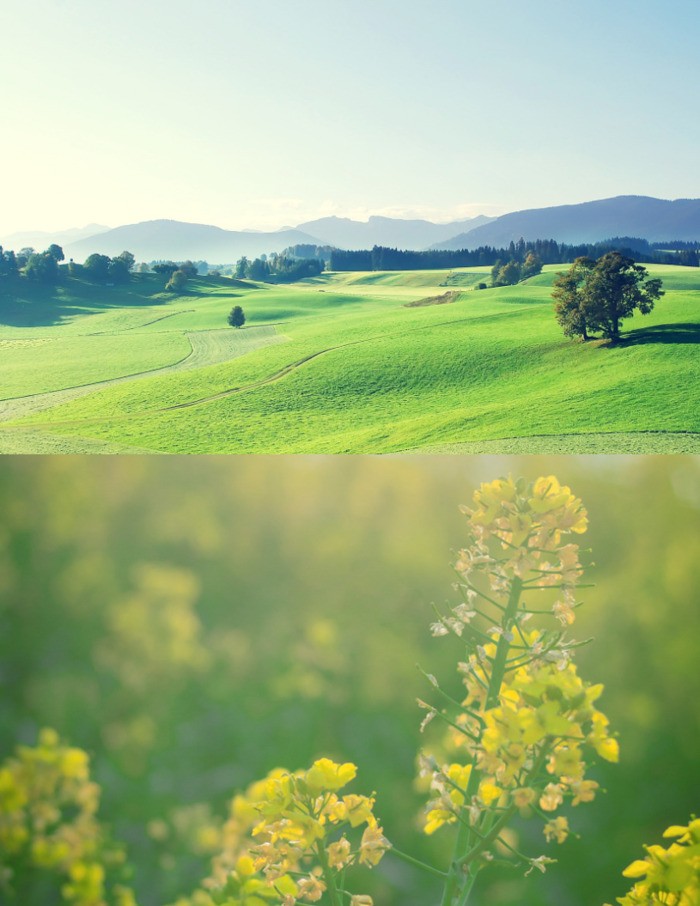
(458, 884)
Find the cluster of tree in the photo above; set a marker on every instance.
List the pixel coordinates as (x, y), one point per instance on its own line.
(200, 267)
(176, 273)
(42, 266)
(598, 295)
(104, 269)
(306, 250)
(278, 268)
(549, 251)
(514, 271)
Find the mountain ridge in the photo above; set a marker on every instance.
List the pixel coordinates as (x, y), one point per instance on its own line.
(164, 239)
(641, 216)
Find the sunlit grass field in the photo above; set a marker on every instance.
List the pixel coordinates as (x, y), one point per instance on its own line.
(343, 363)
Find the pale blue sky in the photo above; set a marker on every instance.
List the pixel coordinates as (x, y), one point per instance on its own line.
(260, 113)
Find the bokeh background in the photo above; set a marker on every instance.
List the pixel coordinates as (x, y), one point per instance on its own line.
(194, 622)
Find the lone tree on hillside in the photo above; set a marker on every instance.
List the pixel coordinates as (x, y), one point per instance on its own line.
(236, 317)
(615, 288)
(599, 295)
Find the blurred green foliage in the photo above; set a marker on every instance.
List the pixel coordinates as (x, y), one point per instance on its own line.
(193, 623)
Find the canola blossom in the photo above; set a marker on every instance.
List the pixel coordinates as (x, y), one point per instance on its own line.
(290, 839)
(522, 736)
(668, 876)
(517, 741)
(49, 827)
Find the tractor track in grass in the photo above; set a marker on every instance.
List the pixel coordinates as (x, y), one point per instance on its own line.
(172, 314)
(206, 348)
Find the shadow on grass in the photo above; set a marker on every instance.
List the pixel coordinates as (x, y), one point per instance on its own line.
(25, 304)
(661, 333)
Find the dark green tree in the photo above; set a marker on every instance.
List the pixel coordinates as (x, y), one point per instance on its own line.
(236, 317)
(8, 264)
(167, 268)
(127, 259)
(568, 298)
(42, 266)
(614, 289)
(118, 270)
(531, 265)
(97, 266)
(507, 275)
(257, 269)
(56, 252)
(241, 267)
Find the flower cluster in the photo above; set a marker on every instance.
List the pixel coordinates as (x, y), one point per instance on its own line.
(520, 737)
(670, 876)
(291, 837)
(48, 823)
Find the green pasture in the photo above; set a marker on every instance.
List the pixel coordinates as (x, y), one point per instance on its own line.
(340, 364)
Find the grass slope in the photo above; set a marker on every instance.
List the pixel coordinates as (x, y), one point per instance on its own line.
(359, 372)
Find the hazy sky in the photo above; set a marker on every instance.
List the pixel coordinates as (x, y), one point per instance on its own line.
(260, 113)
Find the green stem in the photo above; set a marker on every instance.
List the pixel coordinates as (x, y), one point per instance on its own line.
(417, 863)
(499, 663)
(457, 886)
(467, 889)
(488, 838)
(328, 876)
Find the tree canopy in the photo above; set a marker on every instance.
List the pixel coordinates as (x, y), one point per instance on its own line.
(42, 266)
(568, 298)
(598, 295)
(236, 316)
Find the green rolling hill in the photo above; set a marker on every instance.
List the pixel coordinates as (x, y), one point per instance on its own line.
(343, 363)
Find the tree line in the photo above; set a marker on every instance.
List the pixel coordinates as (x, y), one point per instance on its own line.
(44, 267)
(41, 266)
(276, 268)
(549, 251)
(514, 271)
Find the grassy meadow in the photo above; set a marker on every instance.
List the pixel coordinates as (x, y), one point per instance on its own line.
(344, 363)
(193, 623)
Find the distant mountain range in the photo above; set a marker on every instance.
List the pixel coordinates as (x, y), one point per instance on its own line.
(42, 240)
(653, 219)
(626, 215)
(163, 239)
(388, 231)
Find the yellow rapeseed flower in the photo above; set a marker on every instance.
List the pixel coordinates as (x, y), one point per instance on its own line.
(325, 776)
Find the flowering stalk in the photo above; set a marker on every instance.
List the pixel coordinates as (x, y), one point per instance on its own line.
(49, 828)
(292, 836)
(516, 742)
